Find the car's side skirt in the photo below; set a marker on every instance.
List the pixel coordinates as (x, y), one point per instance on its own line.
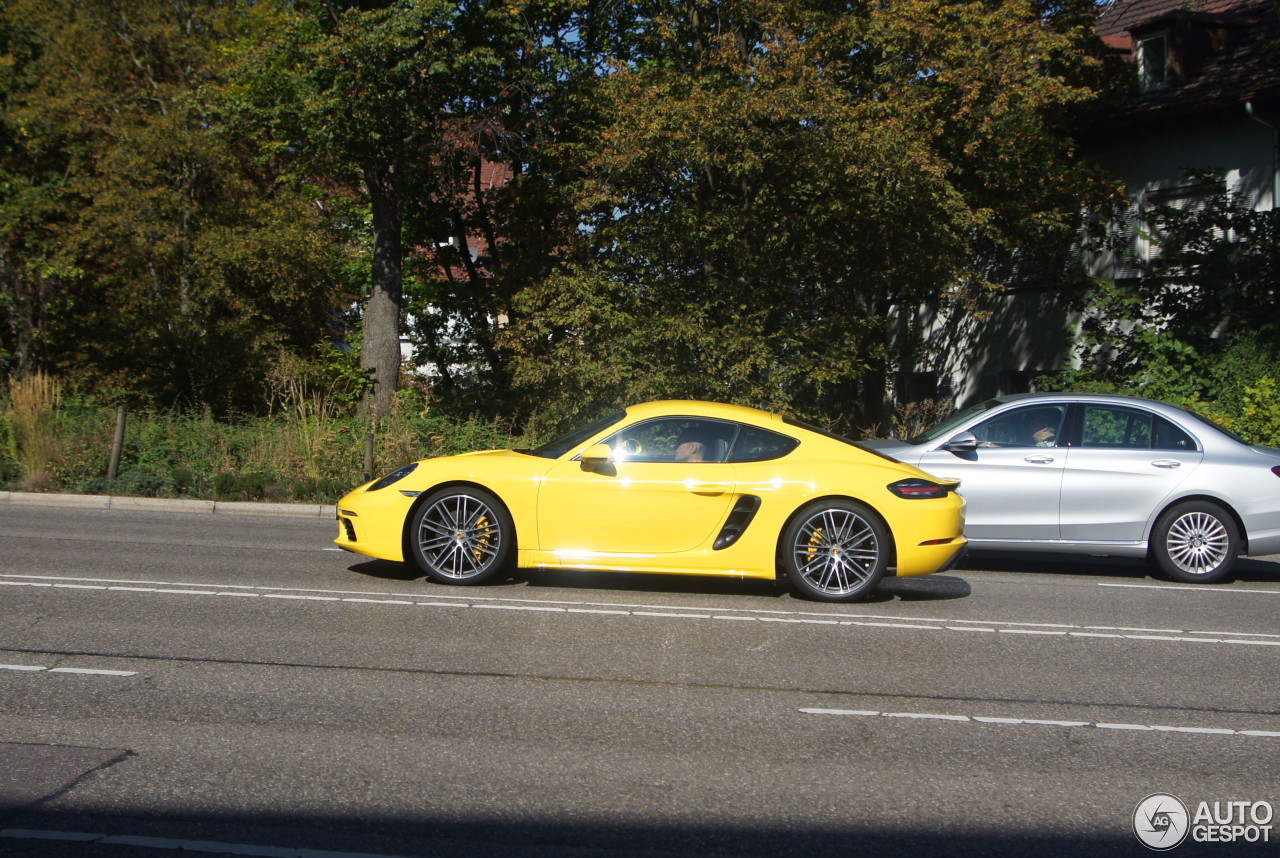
(1061, 546)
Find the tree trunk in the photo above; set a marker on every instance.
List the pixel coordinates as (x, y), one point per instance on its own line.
(380, 356)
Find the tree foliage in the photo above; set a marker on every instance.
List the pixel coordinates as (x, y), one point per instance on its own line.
(142, 250)
(773, 180)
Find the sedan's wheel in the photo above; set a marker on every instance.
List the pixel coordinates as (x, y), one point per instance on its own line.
(1195, 542)
(461, 535)
(835, 551)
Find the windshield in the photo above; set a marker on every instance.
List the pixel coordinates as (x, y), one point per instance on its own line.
(557, 448)
(949, 425)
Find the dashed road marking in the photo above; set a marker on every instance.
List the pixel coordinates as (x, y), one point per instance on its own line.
(1195, 588)
(1042, 722)
(85, 671)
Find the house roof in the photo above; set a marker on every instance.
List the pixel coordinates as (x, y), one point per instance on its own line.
(1224, 53)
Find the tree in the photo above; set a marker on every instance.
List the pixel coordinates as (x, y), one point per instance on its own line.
(775, 181)
(501, 189)
(377, 99)
(147, 252)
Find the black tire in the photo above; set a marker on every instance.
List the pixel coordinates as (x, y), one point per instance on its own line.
(835, 550)
(461, 535)
(1195, 542)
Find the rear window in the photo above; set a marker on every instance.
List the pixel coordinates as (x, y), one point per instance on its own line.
(760, 445)
(834, 437)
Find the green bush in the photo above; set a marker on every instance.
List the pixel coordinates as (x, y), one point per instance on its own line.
(1259, 419)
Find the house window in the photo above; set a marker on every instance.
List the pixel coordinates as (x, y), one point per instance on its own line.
(1177, 202)
(1153, 62)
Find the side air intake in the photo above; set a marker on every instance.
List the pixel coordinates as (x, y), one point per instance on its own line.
(743, 511)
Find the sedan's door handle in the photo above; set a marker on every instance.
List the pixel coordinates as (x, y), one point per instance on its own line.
(1167, 463)
(1039, 460)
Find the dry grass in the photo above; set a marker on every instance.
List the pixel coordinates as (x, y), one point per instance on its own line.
(33, 406)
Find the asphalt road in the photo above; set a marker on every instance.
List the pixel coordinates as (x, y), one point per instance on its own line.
(231, 684)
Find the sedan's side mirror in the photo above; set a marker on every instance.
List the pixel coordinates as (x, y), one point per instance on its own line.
(963, 442)
(597, 457)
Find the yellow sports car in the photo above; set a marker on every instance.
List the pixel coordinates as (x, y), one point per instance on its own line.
(689, 488)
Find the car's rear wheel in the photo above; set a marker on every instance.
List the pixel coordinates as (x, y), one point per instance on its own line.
(461, 535)
(1195, 542)
(835, 550)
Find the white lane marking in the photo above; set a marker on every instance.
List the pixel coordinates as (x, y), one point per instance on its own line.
(1194, 588)
(1046, 632)
(174, 844)
(1009, 627)
(88, 671)
(554, 609)
(1041, 722)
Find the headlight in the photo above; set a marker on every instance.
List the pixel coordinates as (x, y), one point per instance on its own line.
(393, 477)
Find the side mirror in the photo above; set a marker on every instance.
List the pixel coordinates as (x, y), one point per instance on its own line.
(596, 456)
(963, 442)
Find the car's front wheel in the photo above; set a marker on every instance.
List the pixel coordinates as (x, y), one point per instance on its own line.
(461, 535)
(835, 550)
(1195, 542)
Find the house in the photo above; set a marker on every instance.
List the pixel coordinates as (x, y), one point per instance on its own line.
(1205, 93)
(1202, 93)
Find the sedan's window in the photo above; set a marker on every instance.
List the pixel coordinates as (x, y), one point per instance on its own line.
(946, 427)
(1120, 428)
(760, 445)
(1034, 426)
(1167, 436)
(674, 439)
(1107, 426)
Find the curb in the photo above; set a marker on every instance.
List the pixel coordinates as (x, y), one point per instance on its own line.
(68, 501)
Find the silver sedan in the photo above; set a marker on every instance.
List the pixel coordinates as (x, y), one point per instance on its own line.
(1094, 474)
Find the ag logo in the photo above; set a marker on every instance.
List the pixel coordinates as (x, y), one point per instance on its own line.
(1161, 821)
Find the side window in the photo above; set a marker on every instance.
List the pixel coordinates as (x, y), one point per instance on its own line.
(673, 439)
(1167, 436)
(1116, 427)
(1035, 426)
(760, 445)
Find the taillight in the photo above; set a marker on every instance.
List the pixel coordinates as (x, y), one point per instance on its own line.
(917, 488)
(1276, 470)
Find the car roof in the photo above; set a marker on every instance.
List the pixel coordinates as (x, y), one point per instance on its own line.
(698, 408)
(1076, 397)
(1112, 398)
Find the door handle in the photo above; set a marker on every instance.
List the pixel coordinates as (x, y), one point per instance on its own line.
(707, 488)
(1167, 463)
(1038, 460)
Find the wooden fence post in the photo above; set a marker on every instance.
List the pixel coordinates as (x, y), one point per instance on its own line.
(117, 445)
